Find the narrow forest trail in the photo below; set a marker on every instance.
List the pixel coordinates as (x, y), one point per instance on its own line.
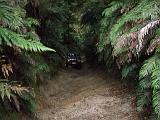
(86, 94)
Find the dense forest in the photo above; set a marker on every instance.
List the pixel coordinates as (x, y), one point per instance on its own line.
(120, 35)
(126, 33)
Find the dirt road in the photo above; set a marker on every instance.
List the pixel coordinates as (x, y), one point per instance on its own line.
(86, 94)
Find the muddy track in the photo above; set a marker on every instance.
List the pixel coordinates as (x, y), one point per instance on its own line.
(86, 94)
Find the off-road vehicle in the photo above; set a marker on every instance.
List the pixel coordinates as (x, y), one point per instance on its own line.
(74, 60)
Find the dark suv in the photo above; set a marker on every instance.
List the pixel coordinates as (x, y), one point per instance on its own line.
(74, 60)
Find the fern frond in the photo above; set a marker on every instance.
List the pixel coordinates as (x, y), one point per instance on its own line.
(7, 89)
(145, 83)
(29, 22)
(40, 67)
(13, 92)
(156, 78)
(4, 90)
(143, 99)
(148, 66)
(30, 102)
(140, 12)
(125, 48)
(106, 24)
(124, 58)
(154, 116)
(10, 38)
(7, 70)
(18, 89)
(155, 44)
(146, 33)
(128, 41)
(114, 6)
(156, 101)
(11, 17)
(127, 69)
(150, 78)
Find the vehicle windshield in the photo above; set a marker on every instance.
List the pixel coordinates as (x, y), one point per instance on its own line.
(73, 56)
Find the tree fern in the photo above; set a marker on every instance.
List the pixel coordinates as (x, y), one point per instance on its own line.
(135, 14)
(10, 38)
(109, 17)
(153, 46)
(154, 116)
(146, 33)
(29, 22)
(131, 30)
(156, 101)
(17, 34)
(156, 78)
(14, 19)
(12, 91)
(150, 71)
(127, 69)
(148, 66)
(145, 83)
(125, 43)
(144, 99)
(11, 17)
(113, 7)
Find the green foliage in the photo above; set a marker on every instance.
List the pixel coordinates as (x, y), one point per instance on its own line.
(128, 69)
(17, 35)
(149, 65)
(13, 92)
(131, 29)
(14, 18)
(10, 38)
(11, 17)
(156, 101)
(114, 6)
(29, 102)
(146, 9)
(143, 99)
